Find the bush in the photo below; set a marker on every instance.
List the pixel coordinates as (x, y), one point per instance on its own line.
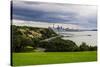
(20, 38)
(93, 48)
(58, 45)
(84, 47)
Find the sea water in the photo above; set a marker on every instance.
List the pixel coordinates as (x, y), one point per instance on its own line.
(89, 37)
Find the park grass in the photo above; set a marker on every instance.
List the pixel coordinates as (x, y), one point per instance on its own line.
(37, 58)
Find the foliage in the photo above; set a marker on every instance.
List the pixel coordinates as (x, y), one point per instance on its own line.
(23, 36)
(58, 45)
(84, 47)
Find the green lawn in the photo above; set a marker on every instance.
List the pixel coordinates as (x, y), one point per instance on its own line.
(37, 58)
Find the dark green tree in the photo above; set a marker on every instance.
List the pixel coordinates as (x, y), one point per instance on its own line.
(84, 47)
(59, 45)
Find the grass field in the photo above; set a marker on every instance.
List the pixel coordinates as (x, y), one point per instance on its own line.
(37, 58)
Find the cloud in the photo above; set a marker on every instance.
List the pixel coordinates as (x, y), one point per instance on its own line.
(43, 24)
(83, 15)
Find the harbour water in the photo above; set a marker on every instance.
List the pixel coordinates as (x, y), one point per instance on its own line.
(89, 37)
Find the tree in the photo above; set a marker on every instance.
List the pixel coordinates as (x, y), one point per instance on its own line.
(84, 47)
(26, 41)
(35, 42)
(58, 45)
(16, 43)
(93, 48)
(19, 40)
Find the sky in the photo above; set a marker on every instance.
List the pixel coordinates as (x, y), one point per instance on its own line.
(43, 14)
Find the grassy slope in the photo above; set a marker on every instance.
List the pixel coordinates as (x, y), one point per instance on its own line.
(36, 58)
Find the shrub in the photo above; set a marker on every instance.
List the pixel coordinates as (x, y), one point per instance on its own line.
(58, 45)
(84, 47)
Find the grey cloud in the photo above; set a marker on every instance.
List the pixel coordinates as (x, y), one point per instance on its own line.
(60, 13)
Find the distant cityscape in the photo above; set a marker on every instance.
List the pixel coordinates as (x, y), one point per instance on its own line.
(61, 28)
